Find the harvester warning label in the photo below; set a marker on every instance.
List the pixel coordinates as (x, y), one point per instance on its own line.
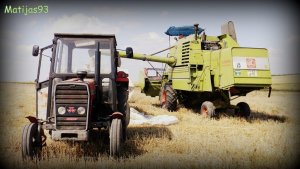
(252, 73)
(254, 63)
(251, 63)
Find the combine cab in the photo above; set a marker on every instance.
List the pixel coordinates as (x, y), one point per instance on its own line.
(83, 92)
(205, 72)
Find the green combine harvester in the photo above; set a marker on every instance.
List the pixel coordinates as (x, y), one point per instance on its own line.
(206, 72)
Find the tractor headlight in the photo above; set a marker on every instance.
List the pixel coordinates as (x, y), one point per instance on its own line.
(81, 110)
(61, 110)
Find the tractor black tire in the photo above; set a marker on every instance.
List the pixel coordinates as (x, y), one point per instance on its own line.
(243, 110)
(116, 137)
(31, 141)
(127, 117)
(24, 141)
(124, 108)
(171, 98)
(208, 108)
(126, 122)
(122, 99)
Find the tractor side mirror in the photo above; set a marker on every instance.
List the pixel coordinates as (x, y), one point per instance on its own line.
(129, 52)
(35, 50)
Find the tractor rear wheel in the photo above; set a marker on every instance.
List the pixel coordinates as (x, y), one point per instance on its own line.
(126, 122)
(243, 110)
(127, 117)
(123, 107)
(31, 141)
(168, 98)
(208, 109)
(122, 99)
(116, 136)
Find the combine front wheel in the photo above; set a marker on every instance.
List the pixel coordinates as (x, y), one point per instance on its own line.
(168, 98)
(116, 136)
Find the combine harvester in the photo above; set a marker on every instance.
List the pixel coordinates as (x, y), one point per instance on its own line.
(206, 72)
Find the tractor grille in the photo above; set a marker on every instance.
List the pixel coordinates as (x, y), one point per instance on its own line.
(185, 53)
(71, 97)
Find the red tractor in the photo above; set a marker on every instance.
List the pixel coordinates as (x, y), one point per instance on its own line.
(83, 92)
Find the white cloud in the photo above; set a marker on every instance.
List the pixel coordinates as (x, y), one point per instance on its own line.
(154, 36)
(24, 66)
(79, 23)
(130, 24)
(149, 42)
(164, 13)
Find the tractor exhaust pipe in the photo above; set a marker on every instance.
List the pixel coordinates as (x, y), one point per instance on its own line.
(196, 28)
(98, 84)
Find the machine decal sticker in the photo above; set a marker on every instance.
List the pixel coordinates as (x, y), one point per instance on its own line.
(237, 72)
(253, 63)
(252, 73)
(71, 109)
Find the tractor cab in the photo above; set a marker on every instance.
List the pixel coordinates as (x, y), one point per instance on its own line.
(76, 62)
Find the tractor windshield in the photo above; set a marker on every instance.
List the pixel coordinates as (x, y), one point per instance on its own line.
(78, 54)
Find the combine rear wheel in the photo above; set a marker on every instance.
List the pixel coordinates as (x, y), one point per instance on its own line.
(116, 136)
(243, 110)
(168, 98)
(31, 141)
(208, 109)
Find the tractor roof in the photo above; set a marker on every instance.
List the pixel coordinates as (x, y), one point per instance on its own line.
(71, 35)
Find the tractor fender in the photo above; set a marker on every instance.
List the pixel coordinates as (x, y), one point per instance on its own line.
(122, 77)
(32, 119)
(117, 115)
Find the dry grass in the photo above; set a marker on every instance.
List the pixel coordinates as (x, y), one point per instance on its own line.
(269, 140)
(286, 82)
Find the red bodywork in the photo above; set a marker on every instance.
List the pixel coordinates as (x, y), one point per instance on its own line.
(122, 77)
(164, 97)
(92, 88)
(32, 119)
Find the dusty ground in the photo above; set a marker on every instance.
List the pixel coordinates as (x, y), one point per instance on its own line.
(270, 139)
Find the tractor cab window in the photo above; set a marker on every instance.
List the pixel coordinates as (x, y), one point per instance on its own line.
(76, 54)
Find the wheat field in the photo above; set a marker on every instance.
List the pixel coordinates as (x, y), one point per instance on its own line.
(269, 139)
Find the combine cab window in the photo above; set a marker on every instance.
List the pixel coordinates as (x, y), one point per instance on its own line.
(74, 54)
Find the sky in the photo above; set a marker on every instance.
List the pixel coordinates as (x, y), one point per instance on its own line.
(142, 26)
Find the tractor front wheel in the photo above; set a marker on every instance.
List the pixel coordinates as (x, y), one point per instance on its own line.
(116, 136)
(31, 141)
(168, 98)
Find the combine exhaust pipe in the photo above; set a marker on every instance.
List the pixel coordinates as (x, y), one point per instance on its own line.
(196, 28)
